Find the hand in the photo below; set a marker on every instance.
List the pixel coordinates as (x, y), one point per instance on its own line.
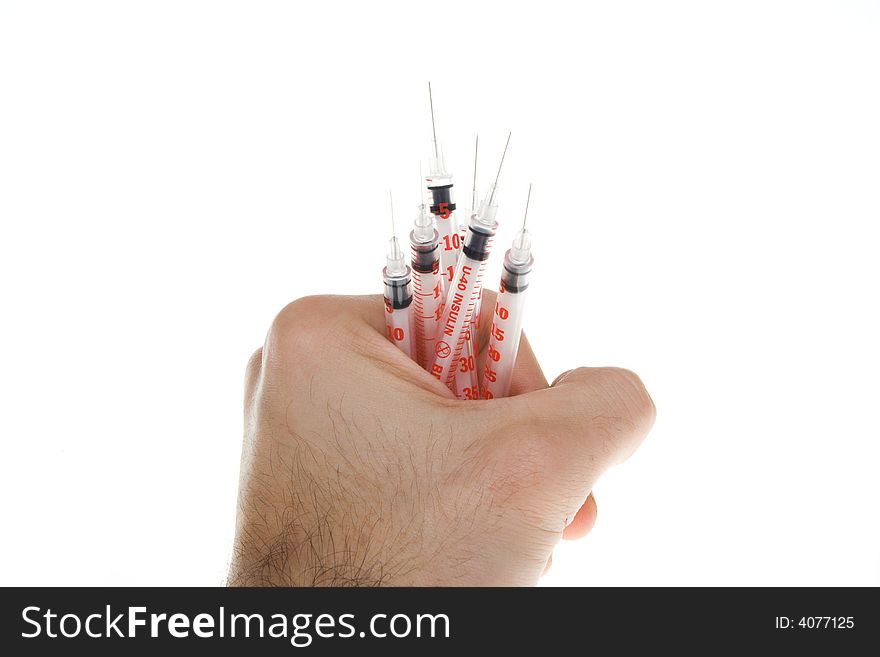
(359, 468)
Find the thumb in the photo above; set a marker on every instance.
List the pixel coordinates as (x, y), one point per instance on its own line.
(587, 421)
(602, 413)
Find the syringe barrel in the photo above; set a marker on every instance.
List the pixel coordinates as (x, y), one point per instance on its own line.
(442, 201)
(443, 209)
(398, 289)
(467, 382)
(400, 326)
(425, 256)
(515, 275)
(504, 334)
(478, 242)
(398, 311)
(428, 296)
(461, 299)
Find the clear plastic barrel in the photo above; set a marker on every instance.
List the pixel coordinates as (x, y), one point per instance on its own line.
(507, 317)
(461, 301)
(467, 381)
(427, 310)
(400, 328)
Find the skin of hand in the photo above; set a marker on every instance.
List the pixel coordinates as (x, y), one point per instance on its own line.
(360, 469)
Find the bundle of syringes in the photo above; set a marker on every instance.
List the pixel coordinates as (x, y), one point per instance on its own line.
(432, 305)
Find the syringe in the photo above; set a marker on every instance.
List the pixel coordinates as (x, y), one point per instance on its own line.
(442, 204)
(398, 295)
(427, 285)
(507, 317)
(467, 383)
(466, 285)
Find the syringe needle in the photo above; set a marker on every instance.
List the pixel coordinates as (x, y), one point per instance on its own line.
(504, 337)
(474, 188)
(498, 175)
(433, 127)
(506, 144)
(526, 213)
(397, 279)
(391, 202)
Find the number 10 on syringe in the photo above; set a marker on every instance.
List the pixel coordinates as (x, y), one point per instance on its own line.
(507, 316)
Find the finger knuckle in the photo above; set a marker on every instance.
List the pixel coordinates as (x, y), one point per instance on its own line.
(615, 407)
(297, 329)
(634, 396)
(254, 363)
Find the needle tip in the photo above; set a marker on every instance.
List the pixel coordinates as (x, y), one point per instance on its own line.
(433, 125)
(391, 203)
(526, 213)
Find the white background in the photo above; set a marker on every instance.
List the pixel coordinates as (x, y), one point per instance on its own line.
(705, 212)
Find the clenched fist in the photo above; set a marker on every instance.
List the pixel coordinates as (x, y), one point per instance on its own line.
(360, 469)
